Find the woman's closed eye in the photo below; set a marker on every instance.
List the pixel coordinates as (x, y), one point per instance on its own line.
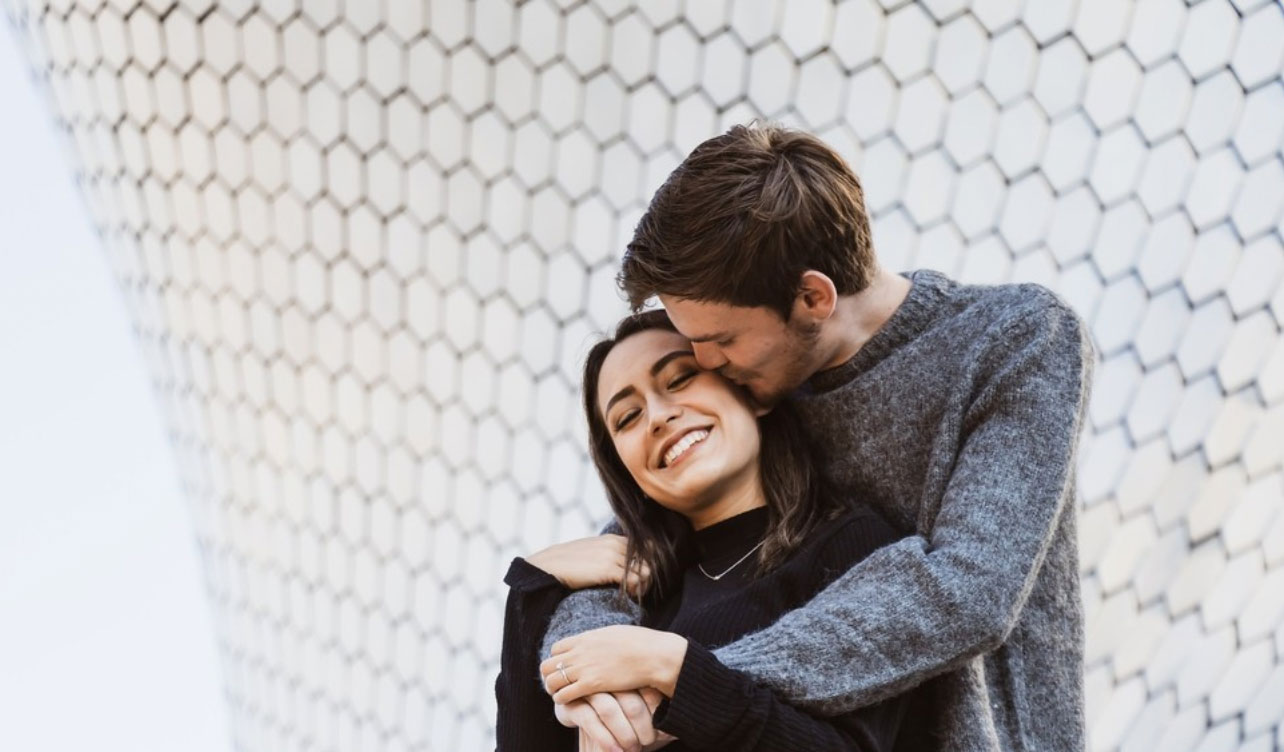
(681, 379)
(626, 418)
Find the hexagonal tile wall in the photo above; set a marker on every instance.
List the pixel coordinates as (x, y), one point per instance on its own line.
(365, 246)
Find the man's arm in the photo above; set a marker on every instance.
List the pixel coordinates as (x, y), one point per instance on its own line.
(590, 608)
(922, 606)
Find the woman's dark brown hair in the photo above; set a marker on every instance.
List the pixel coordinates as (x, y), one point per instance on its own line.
(796, 499)
(744, 215)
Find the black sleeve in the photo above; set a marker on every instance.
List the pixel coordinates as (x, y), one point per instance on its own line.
(715, 707)
(525, 721)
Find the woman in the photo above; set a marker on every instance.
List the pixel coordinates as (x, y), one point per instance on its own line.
(726, 528)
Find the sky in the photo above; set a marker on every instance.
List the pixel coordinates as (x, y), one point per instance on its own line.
(106, 639)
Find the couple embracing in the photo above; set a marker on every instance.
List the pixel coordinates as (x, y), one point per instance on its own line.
(844, 498)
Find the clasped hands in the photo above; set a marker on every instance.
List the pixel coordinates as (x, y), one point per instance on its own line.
(609, 681)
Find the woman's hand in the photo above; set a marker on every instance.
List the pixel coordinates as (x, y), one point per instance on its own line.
(615, 721)
(589, 562)
(613, 659)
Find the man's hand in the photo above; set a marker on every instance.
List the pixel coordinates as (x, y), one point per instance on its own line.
(590, 562)
(618, 721)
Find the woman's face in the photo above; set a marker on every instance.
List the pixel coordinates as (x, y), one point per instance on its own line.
(686, 435)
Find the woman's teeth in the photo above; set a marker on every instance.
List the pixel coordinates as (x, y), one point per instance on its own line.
(684, 443)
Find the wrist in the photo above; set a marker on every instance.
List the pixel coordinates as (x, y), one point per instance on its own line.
(672, 650)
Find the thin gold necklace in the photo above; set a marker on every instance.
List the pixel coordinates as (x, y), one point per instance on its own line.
(733, 566)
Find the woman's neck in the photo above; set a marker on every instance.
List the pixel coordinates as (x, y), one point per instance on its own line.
(736, 500)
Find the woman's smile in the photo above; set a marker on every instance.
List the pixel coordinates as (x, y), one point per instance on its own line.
(679, 447)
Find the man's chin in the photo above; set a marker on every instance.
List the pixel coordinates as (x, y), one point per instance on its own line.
(761, 401)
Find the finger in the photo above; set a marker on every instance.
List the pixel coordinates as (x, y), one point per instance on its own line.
(652, 697)
(564, 715)
(549, 664)
(576, 690)
(554, 682)
(613, 717)
(638, 713)
(557, 674)
(591, 726)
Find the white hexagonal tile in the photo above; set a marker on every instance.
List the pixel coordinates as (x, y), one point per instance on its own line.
(821, 81)
(1071, 142)
(871, 98)
(1214, 111)
(1261, 124)
(1020, 138)
(1261, 200)
(1164, 100)
(929, 187)
(1155, 29)
(1027, 212)
(1264, 710)
(1237, 584)
(1165, 179)
(907, 46)
(1119, 241)
(771, 79)
(1047, 21)
(1258, 56)
(1113, 83)
(1011, 65)
(1063, 71)
(960, 54)
(1212, 262)
(859, 33)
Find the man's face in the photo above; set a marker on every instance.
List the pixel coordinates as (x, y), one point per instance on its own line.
(751, 346)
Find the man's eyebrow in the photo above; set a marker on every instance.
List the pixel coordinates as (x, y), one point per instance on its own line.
(656, 367)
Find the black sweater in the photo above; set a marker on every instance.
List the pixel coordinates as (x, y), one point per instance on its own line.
(713, 707)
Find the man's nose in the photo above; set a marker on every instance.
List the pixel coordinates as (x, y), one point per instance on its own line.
(708, 356)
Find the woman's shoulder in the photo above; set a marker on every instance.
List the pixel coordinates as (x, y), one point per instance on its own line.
(851, 536)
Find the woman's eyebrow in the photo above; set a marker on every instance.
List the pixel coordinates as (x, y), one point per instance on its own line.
(664, 360)
(655, 369)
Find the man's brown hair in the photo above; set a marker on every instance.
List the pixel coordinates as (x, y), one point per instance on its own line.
(744, 215)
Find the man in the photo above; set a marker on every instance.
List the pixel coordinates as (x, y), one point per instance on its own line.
(954, 409)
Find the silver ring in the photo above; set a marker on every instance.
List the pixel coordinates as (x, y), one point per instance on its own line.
(561, 667)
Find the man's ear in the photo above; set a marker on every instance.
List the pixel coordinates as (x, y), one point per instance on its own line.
(817, 296)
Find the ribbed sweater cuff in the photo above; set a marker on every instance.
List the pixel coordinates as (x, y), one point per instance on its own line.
(708, 700)
(525, 577)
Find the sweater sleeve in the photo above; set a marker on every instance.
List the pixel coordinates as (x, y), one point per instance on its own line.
(927, 604)
(525, 711)
(589, 608)
(714, 707)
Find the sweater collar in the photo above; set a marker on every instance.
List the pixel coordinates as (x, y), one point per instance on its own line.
(731, 537)
(927, 289)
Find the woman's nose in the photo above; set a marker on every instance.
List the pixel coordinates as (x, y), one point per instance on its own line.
(662, 413)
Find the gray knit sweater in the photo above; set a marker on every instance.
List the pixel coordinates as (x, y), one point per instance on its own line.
(959, 421)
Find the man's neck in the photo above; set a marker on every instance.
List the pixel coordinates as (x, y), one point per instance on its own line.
(857, 318)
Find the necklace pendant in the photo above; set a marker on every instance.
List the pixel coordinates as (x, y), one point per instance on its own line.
(727, 571)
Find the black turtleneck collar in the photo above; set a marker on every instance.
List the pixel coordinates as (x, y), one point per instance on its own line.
(731, 538)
